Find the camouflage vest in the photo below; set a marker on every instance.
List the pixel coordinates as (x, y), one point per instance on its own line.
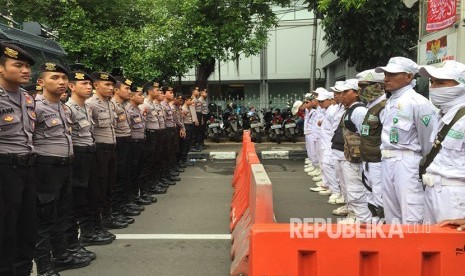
(352, 139)
(371, 134)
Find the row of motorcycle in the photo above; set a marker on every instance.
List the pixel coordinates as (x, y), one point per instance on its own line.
(276, 126)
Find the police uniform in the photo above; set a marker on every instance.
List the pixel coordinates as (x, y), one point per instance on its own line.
(189, 117)
(170, 142)
(103, 178)
(198, 129)
(404, 140)
(204, 112)
(18, 220)
(120, 193)
(84, 163)
(179, 141)
(55, 156)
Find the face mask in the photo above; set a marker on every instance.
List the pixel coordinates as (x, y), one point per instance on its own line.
(371, 92)
(445, 98)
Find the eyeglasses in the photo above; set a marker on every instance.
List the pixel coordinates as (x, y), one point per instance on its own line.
(321, 101)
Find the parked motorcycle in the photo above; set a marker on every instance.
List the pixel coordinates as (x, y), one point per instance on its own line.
(276, 128)
(290, 129)
(213, 129)
(255, 128)
(234, 128)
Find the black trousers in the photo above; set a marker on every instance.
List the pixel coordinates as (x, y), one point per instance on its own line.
(136, 162)
(18, 219)
(54, 201)
(102, 180)
(187, 142)
(151, 156)
(169, 148)
(121, 187)
(81, 215)
(200, 133)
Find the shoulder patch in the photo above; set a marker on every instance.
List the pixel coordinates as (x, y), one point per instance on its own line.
(426, 119)
(454, 134)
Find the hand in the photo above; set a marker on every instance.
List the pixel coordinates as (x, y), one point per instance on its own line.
(196, 123)
(454, 222)
(182, 133)
(319, 123)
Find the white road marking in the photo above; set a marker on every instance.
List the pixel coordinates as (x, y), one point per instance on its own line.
(173, 236)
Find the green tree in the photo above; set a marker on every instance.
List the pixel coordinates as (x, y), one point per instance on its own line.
(368, 32)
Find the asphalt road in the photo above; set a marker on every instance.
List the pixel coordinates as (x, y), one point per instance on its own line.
(187, 231)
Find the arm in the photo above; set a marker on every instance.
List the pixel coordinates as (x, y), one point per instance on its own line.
(194, 115)
(358, 116)
(424, 122)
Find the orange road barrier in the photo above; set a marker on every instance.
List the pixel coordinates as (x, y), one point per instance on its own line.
(284, 249)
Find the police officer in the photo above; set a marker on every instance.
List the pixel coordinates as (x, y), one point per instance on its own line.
(123, 137)
(204, 112)
(189, 118)
(170, 170)
(198, 109)
(404, 140)
(103, 178)
(80, 85)
(18, 222)
(136, 145)
(372, 93)
(175, 107)
(445, 176)
(154, 126)
(55, 155)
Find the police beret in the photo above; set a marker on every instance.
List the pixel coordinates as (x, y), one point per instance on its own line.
(124, 80)
(53, 67)
(79, 76)
(135, 88)
(102, 76)
(15, 52)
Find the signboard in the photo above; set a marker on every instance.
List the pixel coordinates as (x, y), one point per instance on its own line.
(440, 49)
(441, 14)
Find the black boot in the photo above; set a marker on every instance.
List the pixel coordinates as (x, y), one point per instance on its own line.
(134, 206)
(143, 201)
(69, 261)
(109, 222)
(45, 266)
(149, 197)
(80, 252)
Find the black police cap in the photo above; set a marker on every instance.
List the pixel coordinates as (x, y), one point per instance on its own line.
(15, 52)
(53, 67)
(124, 80)
(102, 76)
(79, 76)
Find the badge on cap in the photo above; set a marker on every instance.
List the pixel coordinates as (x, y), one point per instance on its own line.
(79, 76)
(11, 53)
(50, 66)
(8, 118)
(156, 84)
(104, 76)
(128, 82)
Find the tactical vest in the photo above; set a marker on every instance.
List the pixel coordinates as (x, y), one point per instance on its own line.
(337, 142)
(371, 134)
(352, 140)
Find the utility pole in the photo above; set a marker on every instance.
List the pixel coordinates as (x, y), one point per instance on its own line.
(313, 54)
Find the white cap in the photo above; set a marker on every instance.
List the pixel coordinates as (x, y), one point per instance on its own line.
(325, 95)
(320, 90)
(370, 75)
(309, 96)
(399, 65)
(450, 70)
(338, 83)
(295, 107)
(348, 85)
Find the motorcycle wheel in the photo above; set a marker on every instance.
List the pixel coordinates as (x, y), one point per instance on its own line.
(258, 138)
(293, 138)
(278, 139)
(216, 138)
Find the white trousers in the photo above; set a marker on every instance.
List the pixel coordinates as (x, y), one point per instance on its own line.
(310, 145)
(402, 192)
(356, 192)
(372, 172)
(328, 169)
(444, 202)
(340, 174)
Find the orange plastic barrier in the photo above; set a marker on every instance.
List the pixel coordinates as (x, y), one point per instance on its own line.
(276, 249)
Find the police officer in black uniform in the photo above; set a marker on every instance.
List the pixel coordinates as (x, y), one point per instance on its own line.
(55, 155)
(18, 222)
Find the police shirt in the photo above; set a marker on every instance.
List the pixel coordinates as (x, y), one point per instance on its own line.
(177, 115)
(150, 113)
(136, 121)
(407, 121)
(81, 124)
(122, 128)
(52, 136)
(450, 161)
(203, 105)
(198, 105)
(160, 114)
(103, 116)
(188, 115)
(17, 121)
(169, 114)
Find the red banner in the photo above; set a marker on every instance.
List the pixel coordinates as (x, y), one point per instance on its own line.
(441, 14)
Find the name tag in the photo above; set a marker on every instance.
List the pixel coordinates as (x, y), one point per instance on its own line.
(137, 120)
(84, 123)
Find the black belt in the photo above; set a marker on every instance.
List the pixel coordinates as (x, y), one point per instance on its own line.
(55, 160)
(149, 130)
(125, 139)
(84, 149)
(105, 146)
(27, 160)
(138, 140)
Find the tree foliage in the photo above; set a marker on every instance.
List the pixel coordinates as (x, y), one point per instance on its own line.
(153, 38)
(368, 32)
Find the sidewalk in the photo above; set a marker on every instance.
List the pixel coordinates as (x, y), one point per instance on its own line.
(266, 150)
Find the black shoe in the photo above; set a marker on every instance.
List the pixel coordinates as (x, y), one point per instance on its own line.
(189, 163)
(168, 181)
(124, 219)
(175, 178)
(143, 201)
(95, 239)
(45, 266)
(180, 169)
(105, 233)
(150, 198)
(174, 173)
(130, 212)
(81, 252)
(135, 206)
(68, 261)
(195, 149)
(112, 223)
(49, 273)
(158, 191)
(204, 146)
(183, 164)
